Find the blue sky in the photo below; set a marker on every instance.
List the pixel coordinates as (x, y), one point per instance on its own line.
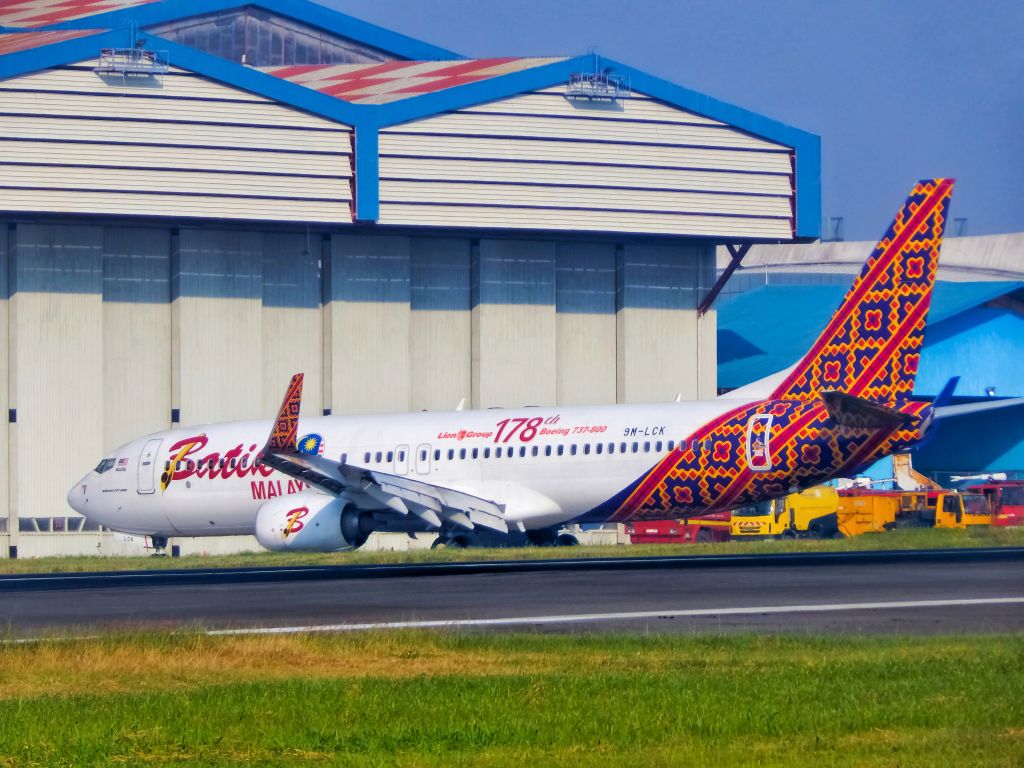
(897, 90)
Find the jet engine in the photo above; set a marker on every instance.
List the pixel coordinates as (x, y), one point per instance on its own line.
(311, 522)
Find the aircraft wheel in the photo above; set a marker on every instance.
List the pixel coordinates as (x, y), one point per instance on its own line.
(703, 536)
(566, 540)
(439, 543)
(459, 542)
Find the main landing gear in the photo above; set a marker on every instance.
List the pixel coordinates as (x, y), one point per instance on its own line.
(548, 537)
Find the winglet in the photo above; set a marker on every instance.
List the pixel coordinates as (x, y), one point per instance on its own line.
(945, 397)
(286, 428)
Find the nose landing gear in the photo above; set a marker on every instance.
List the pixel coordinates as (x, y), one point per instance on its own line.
(159, 546)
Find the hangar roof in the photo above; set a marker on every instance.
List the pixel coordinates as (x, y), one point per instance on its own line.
(380, 83)
(410, 79)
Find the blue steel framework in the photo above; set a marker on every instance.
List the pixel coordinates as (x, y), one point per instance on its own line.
(368, 119)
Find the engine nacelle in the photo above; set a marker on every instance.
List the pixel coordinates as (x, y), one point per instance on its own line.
(310, 522)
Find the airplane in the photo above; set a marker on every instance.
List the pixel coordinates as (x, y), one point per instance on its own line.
(326, 483)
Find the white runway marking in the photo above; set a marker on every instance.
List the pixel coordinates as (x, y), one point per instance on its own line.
(594, 617)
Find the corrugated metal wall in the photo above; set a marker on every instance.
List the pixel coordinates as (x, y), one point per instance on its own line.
(540, 161)
(77, 142)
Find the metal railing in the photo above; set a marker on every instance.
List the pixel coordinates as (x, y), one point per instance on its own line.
(132, 62)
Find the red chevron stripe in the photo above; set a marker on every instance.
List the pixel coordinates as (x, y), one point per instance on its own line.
(885, 354)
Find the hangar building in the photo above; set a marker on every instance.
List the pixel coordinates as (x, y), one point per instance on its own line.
(198, 199)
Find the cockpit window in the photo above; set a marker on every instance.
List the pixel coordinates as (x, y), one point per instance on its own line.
(104, 465)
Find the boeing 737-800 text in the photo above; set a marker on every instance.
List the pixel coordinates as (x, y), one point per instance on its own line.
(326, 483)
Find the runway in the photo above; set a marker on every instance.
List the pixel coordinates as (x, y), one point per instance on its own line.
(956, 592)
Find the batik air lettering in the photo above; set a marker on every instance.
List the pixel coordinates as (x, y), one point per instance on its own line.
(186, 462)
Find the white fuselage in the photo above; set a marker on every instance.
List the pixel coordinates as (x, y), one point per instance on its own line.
(546, 466)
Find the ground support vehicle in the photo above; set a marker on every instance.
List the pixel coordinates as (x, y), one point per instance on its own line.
(1005, 501)
(694, 530)
(811, 513)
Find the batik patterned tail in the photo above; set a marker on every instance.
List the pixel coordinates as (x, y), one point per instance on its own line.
(286, 428)
(872, 345)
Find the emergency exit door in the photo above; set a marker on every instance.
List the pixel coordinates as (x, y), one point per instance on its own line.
(759, 450)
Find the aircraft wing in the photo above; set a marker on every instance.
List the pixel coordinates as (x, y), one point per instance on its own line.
(370, 489)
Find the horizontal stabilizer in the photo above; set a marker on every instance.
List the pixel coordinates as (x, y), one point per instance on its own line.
(850, 411)
(963, 409)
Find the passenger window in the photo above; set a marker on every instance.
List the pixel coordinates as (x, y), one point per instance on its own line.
(401, 455)
(192, 465)
(476, 453)
(245, 459)
(437, 454)
(561, 450)
(572, 449)
(487, 453)
(671, 445)
(586, 449)
(622, 447)
(647, 447)
(451, 454)
(657, 446)
(344, 458)
(611, 447)
(547, 450)
(462, 453)
(522, 451)
(224, 463)
(366, 458)
(379, 456)
(167, 466)
(636, 447)
(391, 456)
(535, 450)
(598, 448)
(497, 452)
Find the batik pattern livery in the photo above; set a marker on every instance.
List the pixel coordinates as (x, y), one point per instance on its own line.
(805, 447)
(872, 345)
(286, 428)
(869, 349)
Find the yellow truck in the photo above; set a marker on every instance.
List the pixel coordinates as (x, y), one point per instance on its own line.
(822, 512)
(810, 513)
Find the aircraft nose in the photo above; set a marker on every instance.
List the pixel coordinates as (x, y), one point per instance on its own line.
(78, 496)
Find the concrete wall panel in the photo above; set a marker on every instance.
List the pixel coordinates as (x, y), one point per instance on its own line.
(56, 359)
(6, 234)
(136, 333)
(658, 289)
(514, 328)
(369, 292)
(216, 286)
(292, 326)
(440, 324)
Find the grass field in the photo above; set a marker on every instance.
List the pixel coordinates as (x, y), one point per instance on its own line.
(443, 699)
(919, 538)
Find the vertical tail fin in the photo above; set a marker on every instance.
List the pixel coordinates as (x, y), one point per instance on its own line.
(286, 427)
(871, 346)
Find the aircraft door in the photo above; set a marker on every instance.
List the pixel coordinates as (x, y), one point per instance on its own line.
(402, 460)
(147, 465)
(759, 432)
(423, 459)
